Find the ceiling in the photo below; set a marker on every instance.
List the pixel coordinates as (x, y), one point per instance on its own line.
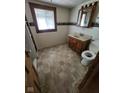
(65, 3)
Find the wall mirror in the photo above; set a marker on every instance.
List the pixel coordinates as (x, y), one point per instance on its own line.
(85, 15)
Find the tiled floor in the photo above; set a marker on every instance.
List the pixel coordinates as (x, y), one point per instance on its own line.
(60, 70)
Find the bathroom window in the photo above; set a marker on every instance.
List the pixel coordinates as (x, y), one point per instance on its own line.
(44, 17)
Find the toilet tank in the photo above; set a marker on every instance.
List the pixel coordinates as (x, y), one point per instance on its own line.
(94, 46)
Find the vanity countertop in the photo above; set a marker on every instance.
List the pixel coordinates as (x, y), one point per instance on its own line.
(82, 38)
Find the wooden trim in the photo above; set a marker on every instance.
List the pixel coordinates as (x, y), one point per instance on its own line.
(92, 14)
(78, 16)
(37, 86)
(59, 23)
(69, 23)
(66, 23)
(35, 70)
(26, 69)
(95, 24)
(27, 53)
(31, 24)
(32, 6)
(28, 25)
(81, 16)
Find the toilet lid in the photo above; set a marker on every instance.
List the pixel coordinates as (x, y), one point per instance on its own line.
(88, 55)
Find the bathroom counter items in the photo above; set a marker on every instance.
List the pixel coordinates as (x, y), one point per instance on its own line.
(78, 44)
(82, 38)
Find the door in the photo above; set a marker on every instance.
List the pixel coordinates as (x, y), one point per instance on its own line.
(29, 43)
(32, 83)
(90, 83)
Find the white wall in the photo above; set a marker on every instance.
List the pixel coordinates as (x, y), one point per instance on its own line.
(50, 38)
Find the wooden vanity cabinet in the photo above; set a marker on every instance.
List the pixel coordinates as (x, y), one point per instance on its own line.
(78, 45)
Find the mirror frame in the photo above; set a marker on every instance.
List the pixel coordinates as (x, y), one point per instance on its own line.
(86, 7)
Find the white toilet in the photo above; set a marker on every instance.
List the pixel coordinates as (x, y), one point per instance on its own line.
(89, 55)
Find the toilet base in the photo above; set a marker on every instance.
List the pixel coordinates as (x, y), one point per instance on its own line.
(85, 62)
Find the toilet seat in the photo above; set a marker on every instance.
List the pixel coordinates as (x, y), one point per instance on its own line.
(89, 55)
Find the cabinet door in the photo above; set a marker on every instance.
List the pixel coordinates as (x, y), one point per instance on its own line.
(79, 47)
(70, 41)
(74, 44)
